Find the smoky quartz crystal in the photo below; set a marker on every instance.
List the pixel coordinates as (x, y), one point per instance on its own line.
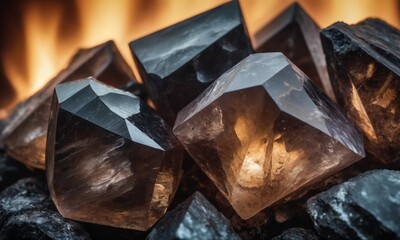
(110, 159)
(263, 131)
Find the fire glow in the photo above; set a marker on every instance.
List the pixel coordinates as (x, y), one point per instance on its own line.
(54, 30)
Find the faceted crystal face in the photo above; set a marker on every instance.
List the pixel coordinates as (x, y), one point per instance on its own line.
(365, 71)
(109, 159)
(179, 62)
(263, 130)
(296, 35)
(27, 132)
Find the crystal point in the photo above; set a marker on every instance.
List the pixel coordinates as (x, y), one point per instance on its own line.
(26, 133)
(365, 71)
(294, 33)
(110, 159)
(263, 130)
(177, 63)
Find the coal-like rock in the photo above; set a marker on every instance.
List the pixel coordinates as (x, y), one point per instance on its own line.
(193, 219)
(42, 224)
(177, 63)
(264, 131)
(364, 207)
(27, 193)
(294, 33)
(297, 234)
(25, 134)
(364, 67)
(110, 159)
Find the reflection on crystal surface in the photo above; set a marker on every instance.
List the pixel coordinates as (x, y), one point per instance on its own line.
(263, 130)
(26, 133)
(110, 159)
(296, 35)
(364, 68)
(177, 63)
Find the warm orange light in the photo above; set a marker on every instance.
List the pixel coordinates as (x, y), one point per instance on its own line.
(47, 49)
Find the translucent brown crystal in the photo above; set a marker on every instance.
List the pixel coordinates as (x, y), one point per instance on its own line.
(263, 131)
(110, 159)
(294, 33)
(364, 65)
(26, 133)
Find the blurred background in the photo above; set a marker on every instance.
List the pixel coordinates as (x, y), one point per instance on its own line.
(38, 37)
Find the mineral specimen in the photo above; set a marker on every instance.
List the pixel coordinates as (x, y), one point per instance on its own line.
(109, 159)
(10, 170)
(365, 207)
(297, 234)
(179, 62)
(194, 219)
(263, 130)
(26, 132)
(27, 193)
(42, 224)
(364, 66)
(296, 35)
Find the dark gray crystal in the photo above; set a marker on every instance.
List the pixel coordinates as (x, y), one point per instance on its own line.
(42, 224)
(179, 62)
(27, 193)
(297, 234)
(364, 207)
(193, 219)
(110, 159)
(364, 66)
(295, 34)
(25, 133)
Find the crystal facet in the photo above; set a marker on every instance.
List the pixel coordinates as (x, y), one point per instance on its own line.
(195, 218)
(110, 159)
(364, 65)
(263, 130)
(179, 62)
(26, 133)
(296, 35)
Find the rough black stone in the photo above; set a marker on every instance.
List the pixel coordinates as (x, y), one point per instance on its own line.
(179, 62)
(194, 219)
(27, 193)
(364, 207)
(297, 234)
(11, 170)
(294, 33)
(42, 224)
(364, 67)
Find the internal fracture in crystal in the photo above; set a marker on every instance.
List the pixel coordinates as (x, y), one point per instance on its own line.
(110, 159)
(177, 63)
(294, 33)
(364, 65)
(26, 133)
(263, 131)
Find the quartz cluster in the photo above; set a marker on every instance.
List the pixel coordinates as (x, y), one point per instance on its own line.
(110, 159)
(296, 35)
(364, 66)
(177, 63)
(25, 135)
(263, 130)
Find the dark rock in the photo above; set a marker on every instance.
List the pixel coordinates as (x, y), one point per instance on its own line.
(364, 67)
(296, 35)
(297, 234)
(179, 62)
(27, 193)
(42, 224)
(194, 219)
(25, 133)
(11, 170)
(364, 207)
(110, 159)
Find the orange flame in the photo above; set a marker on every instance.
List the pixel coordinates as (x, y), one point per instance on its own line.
(47, 47)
